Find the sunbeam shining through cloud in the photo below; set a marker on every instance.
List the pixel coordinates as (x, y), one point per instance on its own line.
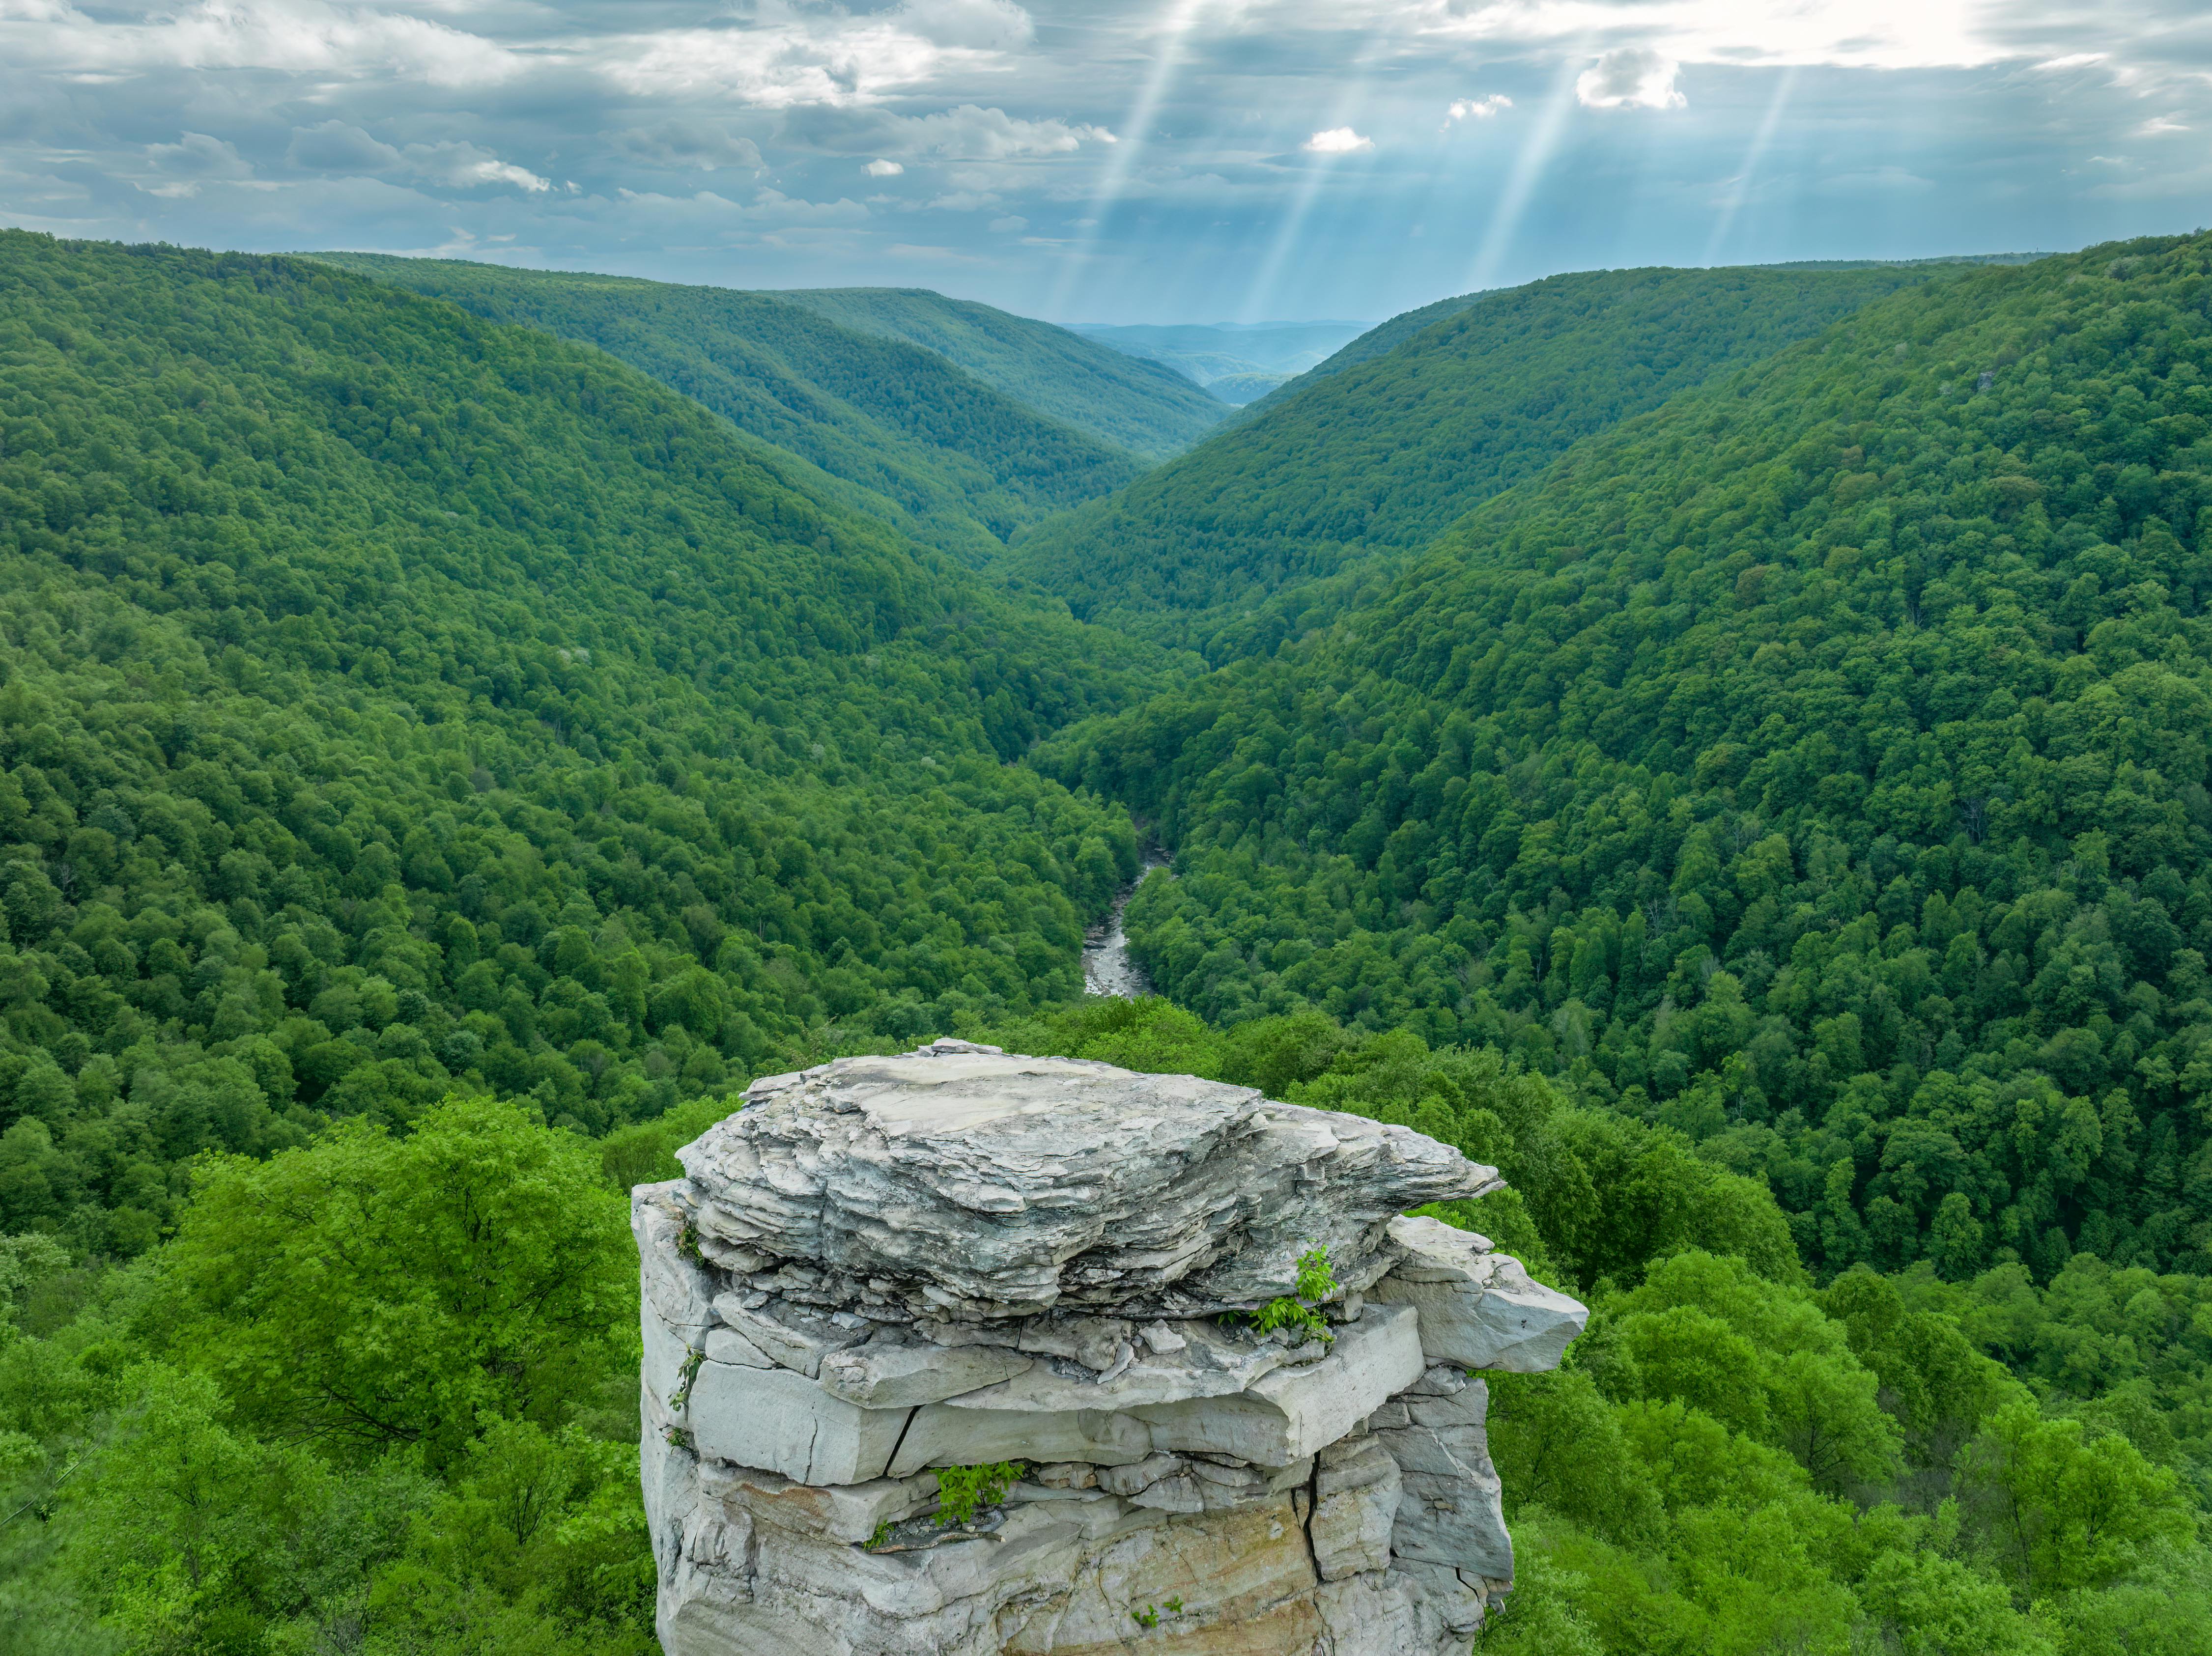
(1167, 160)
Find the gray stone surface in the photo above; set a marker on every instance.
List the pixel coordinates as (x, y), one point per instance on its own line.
(1201, 1359)
(944, 1435)
(886, 1266)
(1291, 1412)
(846, 1513)
(679, 1290)
(983, 1186)
(1356, 1491)
(1479, 1309)
(784, 1422)
(793, 1336)
(1450, 1507)
(889, 1371)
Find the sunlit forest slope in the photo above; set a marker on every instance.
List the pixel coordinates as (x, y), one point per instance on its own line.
(901, 433)
(395, 702)
(1380, 456)
(1145, 408)
(1817, 764)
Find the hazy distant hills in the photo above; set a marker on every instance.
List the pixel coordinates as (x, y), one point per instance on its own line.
(1380, 455)
(1237, 361)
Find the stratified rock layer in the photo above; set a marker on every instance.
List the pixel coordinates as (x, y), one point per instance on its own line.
(885, 1266)
(976, 1186)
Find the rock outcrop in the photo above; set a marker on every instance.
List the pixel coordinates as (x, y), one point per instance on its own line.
(956, 1257)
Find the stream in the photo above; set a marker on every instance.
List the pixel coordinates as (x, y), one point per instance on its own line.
(1107, 968)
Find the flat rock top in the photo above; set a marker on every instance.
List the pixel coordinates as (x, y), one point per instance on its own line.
(959, 1180)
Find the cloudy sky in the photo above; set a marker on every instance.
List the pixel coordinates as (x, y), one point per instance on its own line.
(1115, 161)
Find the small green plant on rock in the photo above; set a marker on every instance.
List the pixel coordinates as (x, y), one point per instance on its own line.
(882, 1533)
(682, 1395)
(1316, 1281)
(963, 1491)
(1150, 1615)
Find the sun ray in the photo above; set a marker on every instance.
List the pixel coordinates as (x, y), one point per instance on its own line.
(1528, 171)
(1178, 20)
(1739, 186)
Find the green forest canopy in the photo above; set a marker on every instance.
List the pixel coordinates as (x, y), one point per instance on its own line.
(1382, 456)
(902, 433)
(1817, 764)
(228, 1450)
(1774, 835)
(1144, 407)
(396, 702)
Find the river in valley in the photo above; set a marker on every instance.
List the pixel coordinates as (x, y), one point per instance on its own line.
(1107, 966)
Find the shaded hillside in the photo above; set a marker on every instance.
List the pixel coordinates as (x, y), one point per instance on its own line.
(1380, 456)
(1818, 764)
(912, 439)
(1145, 408)
(397, 701)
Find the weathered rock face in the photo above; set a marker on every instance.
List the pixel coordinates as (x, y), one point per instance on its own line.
(884, 1266)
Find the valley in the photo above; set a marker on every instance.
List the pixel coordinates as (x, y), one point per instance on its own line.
(1725, 747)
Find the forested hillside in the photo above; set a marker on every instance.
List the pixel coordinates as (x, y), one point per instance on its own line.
(1734, 1459)
(1380, 456)
(398, 703)
(439, 761)
(1817, 765)
(1144, 407)
(1388, 337)
(912, 439)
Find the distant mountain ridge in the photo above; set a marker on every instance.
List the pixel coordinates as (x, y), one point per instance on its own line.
(901, 433)
(1388, 336)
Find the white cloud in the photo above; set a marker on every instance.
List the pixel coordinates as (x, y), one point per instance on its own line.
(706, 210)
(981, 25)
(970, 132)
(703, 146)
(780, 208)
(1879, 177)
(1009, 224)
(335, 147)
(1870, 34)
(828, 57)
(199, 156)
(1476, 109)
(966, 201)
(287, 36)
(1629, 78)
(465, 166)
(1337, 141)
(881, 168)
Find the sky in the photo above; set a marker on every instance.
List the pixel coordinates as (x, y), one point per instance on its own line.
(1172, 161)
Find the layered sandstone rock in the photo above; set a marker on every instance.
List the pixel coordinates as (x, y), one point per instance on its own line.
(886, 1266)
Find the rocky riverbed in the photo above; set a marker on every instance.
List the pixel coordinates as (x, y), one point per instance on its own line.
(1107, 966)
